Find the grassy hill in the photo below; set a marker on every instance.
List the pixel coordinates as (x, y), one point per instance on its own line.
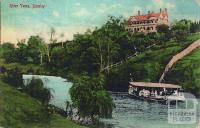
(18, 110)
(187, 72)
(149, 66)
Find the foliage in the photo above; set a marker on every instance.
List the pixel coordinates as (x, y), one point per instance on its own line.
(163, 28)
(91, 53)
(89, 96)
(195, 27)
(12, 75)
(181, 29)
(37, 90)
(19, 110)
(186, 73)
(145, 67)
(7, 51)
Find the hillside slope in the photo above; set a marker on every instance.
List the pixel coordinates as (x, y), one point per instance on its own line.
(187, 72)
(148, 66)
(179, 56)
(18, 110)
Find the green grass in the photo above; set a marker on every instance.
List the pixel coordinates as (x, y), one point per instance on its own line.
(186, 72)
(193, 37)
(18, 110)
(150, 65)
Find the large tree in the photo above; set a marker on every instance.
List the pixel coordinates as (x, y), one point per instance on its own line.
(89, 96)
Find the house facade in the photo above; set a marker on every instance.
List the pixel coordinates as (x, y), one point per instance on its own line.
(147, 23)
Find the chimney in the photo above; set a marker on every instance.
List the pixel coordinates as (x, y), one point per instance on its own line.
(160, 10)
(138, 13)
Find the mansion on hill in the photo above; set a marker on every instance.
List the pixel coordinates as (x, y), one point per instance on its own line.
(147, 23)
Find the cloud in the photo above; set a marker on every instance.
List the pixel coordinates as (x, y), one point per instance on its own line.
(198, 2)
(105, 9)
(157, 4)
(56, 14)
(81, 12)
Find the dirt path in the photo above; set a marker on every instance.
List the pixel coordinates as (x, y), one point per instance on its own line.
(179, 56)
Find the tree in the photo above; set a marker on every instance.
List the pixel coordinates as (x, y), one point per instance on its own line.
(13, 75)
(37, 49)
(61, 36)
(89, 96)
(22, 52)
(37, 90)
(181, 29)
(52, 40)
(7, 51)
(163, 28)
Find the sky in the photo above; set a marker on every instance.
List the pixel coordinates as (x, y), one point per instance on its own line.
(76, 16)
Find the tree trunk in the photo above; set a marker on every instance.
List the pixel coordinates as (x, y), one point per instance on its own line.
(48, 54)
(101, 56)
(41, 58)
(108, 63)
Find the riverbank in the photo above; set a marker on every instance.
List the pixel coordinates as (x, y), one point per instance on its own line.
(17, 109)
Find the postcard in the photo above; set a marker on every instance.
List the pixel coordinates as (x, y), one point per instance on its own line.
(100, 64)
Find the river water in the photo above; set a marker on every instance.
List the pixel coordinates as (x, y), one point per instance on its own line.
(59, 88)
(131, 113)
(128, 113)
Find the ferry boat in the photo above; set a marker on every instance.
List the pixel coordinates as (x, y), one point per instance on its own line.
(155, 92)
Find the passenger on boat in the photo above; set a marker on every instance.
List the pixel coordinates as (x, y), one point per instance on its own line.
(145, 93)
(152, 93)
(175, 93)
(156, 93)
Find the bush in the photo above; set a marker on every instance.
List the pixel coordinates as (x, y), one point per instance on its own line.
(12, 75)
(36, 89)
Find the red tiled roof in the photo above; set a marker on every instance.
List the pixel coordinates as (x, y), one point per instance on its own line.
(148, 16)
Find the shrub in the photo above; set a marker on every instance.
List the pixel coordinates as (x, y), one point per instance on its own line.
(12, 75)
(36, 89)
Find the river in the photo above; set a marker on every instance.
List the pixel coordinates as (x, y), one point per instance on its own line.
(128, 113)
(131, 113)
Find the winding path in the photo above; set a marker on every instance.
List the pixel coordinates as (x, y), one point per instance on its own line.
(179, 56)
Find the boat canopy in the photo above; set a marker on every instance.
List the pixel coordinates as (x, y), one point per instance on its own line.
(155, 85)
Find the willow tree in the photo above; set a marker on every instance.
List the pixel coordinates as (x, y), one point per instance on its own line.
(89, 96)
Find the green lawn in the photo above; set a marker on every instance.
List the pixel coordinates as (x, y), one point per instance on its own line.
(18, 110)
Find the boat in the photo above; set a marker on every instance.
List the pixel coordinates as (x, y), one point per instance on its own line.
(159, 92)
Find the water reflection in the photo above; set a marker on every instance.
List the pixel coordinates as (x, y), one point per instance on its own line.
(131, 113)
(59, 88)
